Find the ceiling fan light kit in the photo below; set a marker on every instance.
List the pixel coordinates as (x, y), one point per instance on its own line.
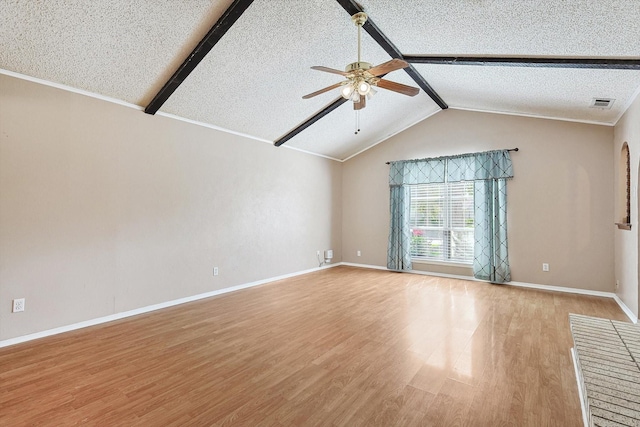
(362, 77)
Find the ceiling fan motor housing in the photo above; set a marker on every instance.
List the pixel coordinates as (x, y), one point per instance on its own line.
(357, 66)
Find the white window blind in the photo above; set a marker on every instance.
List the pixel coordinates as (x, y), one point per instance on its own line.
(442, 222)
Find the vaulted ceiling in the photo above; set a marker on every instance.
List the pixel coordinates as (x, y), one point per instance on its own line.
(253, 78)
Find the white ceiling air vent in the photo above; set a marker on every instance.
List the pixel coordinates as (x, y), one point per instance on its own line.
(604, 103)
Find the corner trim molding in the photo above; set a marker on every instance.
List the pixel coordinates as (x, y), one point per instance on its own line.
(255, 138)
(577, 372)
(611, 295)
(630, 101)
(70, 89)
(534, 116)
(140, 108)
(150, 308)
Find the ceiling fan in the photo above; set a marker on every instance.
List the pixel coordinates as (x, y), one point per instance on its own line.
(362, 77)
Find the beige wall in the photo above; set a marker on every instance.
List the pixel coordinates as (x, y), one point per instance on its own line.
(560, 202)
(104, 209)
(626, 241)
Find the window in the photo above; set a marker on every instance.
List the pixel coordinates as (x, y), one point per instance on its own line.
(441, 221)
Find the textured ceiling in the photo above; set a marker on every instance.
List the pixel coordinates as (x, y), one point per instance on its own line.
(521, 28)
(547, 92)
(253, 80)
(125, 49)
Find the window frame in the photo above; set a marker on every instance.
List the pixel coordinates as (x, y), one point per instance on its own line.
(447, 228)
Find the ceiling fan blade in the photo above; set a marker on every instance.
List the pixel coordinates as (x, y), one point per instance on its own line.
(326, 89)
(360, 105)
(389, 66)
(328, 70)
(398, 87)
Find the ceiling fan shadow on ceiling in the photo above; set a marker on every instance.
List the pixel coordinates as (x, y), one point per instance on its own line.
(362, 78)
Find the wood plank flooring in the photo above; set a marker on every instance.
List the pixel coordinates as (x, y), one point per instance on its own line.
(339, 347)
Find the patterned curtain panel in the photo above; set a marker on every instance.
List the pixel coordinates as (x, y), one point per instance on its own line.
(399, 250)
(421, 171)
(491, 259)
(489, 170)
(479, 166)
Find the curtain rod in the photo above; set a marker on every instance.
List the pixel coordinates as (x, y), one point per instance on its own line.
(510, 149)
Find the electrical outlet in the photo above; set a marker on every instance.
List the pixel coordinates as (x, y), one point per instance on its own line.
(215, 271)
(545, 267)
(18, 305)
(317, 253)
(617, 284)
(359, 253)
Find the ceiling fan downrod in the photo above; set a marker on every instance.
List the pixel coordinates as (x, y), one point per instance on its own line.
(359, 19)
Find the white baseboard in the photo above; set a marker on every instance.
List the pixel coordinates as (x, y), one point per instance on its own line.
(141, 310)
(372, 267)
(154, 307)
(612, 295)
(626, 309)
(562, 289)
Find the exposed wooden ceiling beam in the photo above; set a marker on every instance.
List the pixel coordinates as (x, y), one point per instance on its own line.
(597, 63)
(311, 120)
(370, 27)
(214, 35)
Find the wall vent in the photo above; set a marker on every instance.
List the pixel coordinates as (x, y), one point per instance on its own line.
(604, 103)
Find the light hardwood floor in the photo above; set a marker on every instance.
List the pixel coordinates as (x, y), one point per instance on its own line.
(343, 346)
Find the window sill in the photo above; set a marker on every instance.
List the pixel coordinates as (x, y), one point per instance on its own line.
(448, 264)
(623, 225)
